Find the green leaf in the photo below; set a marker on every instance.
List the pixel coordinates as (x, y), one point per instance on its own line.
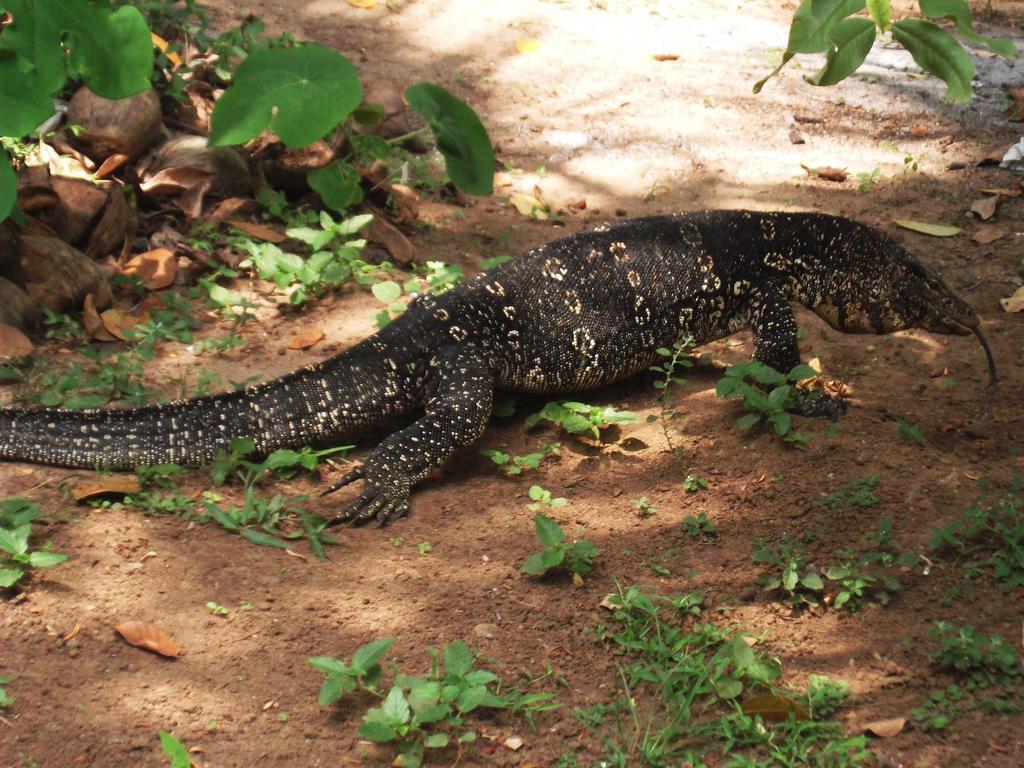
(741, 654)
(936, 51)
(812, 581)
(35, 34)
(960, 12)
(10, 576)
(378, 732)
(842, 598)
(94, 32)
(436, 741)
(790, 579)
(763, 670)
(542, 562)
(748, 420)
(312, 89)
(461, 137)
(782, 422)
(337, 184)
(881, 13)
(778, 396)
(45, 559)
(26, 103)
(935, 230)
(814, 21)
(728, 689)
(175, 750)
(328, 666)
(850, 43)
(263, 539)
(458, 659)
(548, 531)
(386, 291)
(370, 654)
(800, 372)
(15, 540)
(334, 688)
(424, 696)
(395, 707)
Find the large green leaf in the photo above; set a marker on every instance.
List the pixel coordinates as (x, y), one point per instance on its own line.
(809, 31)
(813, 22)
(548, 531)
(25, 103)
(111, 49)
(851, 42)
(301, 93)
(337, 184)
(958, 11)
(938, 52)
(461, 137)
(175, 750)
(8, 186)
(35, 34)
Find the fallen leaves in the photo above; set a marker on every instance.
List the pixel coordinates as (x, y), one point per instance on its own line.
(306, 339)
(259, 231)
(988, 233)
(885, 729)
(117, 322)
(364, 4)
(532, 206)
(1013, 303)
(985, 208)
(13, 343)
(527, 45)
(827, 173)
(666, 57)
(925, 228)
(774, 709)
(156, 269)
(107, 485)
(143, 634)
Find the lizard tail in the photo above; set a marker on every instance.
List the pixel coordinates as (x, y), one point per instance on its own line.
(349, 392)
(993, 380)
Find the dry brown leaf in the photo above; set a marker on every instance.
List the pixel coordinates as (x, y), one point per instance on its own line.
(607, 604)
(527, 45)
(117, 322)
(163, 45)
(577, 205)
(13, 343)
(994, 156)
(1003, 191)
(918, 131)
(988, 233)
(512, 742)
(528, 205)
(92, 322)
(111, 164)
(826, 172)
(985, 208)
(293, 553)
(773, 709)
(407, 203)
(306, 339)
(1014, 303)
(666, 57)
(383, 232)
(155, 268)
(259, 231)
(143, 634)
(1015, 112)
(885, 729)
(108, 485)
(364, 4)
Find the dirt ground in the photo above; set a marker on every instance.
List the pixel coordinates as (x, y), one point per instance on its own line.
(591, 114)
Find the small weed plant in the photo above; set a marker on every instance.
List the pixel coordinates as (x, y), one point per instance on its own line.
(580, 418)
(541, 497)
(858, 493)
(699, 527)
(17, 559)
(515, 465)
(693, 693)
(421, 714)
(694, 484)
(576, 557)
(673, 362)
(748, 383)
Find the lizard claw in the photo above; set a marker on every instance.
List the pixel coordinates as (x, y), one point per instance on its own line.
(378, 500)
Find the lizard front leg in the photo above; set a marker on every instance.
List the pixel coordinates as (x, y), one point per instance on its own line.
(459, 400)
(775, 344)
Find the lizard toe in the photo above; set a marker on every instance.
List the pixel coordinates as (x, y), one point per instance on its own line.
(350, 477)
(394, 511)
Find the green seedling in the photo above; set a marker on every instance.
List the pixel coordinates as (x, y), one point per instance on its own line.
(673, 362)
(867, 180)
(693, 484)
(175, 750)
(16, 559)
(699, 527)
(6, 700)
(910, 433)
(575, 557)
(748, 383)
(581, 419)
(514, 465)
(542, 498)
(423, 713)
(823, 696)
(217, 609)
(644, 507)
(788, 573)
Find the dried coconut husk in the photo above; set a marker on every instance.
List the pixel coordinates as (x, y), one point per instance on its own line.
(17, 308)
(123, 126)
(185, 166)
(57, 275)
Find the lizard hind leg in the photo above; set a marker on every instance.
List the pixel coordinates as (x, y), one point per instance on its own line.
(461, 394)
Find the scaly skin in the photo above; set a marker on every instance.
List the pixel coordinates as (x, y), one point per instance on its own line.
(577, 313)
